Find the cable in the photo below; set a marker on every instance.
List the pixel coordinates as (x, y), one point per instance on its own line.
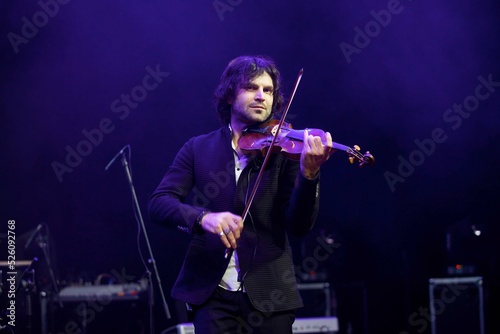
(171, 328)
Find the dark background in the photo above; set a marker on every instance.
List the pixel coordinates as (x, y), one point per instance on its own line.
(59, 79)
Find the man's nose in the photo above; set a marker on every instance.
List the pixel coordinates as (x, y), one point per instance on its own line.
(259, 95)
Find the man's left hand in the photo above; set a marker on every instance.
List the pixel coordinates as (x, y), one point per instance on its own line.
(314, 154)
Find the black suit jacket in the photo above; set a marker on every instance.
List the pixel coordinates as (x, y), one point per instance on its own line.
(202, 177)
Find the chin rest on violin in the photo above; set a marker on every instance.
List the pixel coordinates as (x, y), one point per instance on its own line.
(290, 142)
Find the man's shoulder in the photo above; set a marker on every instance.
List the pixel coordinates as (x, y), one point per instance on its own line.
(219, 133)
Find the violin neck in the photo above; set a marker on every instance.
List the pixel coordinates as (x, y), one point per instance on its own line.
(341, 147)
(299, 135)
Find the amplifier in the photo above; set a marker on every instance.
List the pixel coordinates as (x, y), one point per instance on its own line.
(317, 300)
(300, 326)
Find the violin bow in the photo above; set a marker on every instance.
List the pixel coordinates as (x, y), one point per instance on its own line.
(268, 153)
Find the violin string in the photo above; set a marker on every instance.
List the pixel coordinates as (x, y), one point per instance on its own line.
(299, 135)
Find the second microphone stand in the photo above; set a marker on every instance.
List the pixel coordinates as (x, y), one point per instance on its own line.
(126, 166)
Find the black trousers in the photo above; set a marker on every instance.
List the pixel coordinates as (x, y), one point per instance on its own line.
(228, 312)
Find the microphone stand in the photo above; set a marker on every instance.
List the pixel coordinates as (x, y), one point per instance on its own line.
(139, 217)
(44, 246)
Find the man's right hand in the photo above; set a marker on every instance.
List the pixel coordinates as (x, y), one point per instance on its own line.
(225, 224)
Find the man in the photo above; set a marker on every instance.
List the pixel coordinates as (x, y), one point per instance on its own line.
(238, 277)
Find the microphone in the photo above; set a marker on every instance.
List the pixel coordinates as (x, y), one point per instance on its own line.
(116, 157)
(38, 228)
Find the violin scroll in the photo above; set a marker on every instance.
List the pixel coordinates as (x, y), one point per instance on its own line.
(364, 159)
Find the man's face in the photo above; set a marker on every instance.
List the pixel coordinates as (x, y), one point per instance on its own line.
(254, 101)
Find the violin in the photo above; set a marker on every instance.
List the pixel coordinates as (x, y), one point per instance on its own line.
(290, 142)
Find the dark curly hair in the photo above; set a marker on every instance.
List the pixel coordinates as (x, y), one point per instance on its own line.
(239, 72)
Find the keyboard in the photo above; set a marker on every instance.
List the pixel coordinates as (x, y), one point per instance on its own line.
(102, 292)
